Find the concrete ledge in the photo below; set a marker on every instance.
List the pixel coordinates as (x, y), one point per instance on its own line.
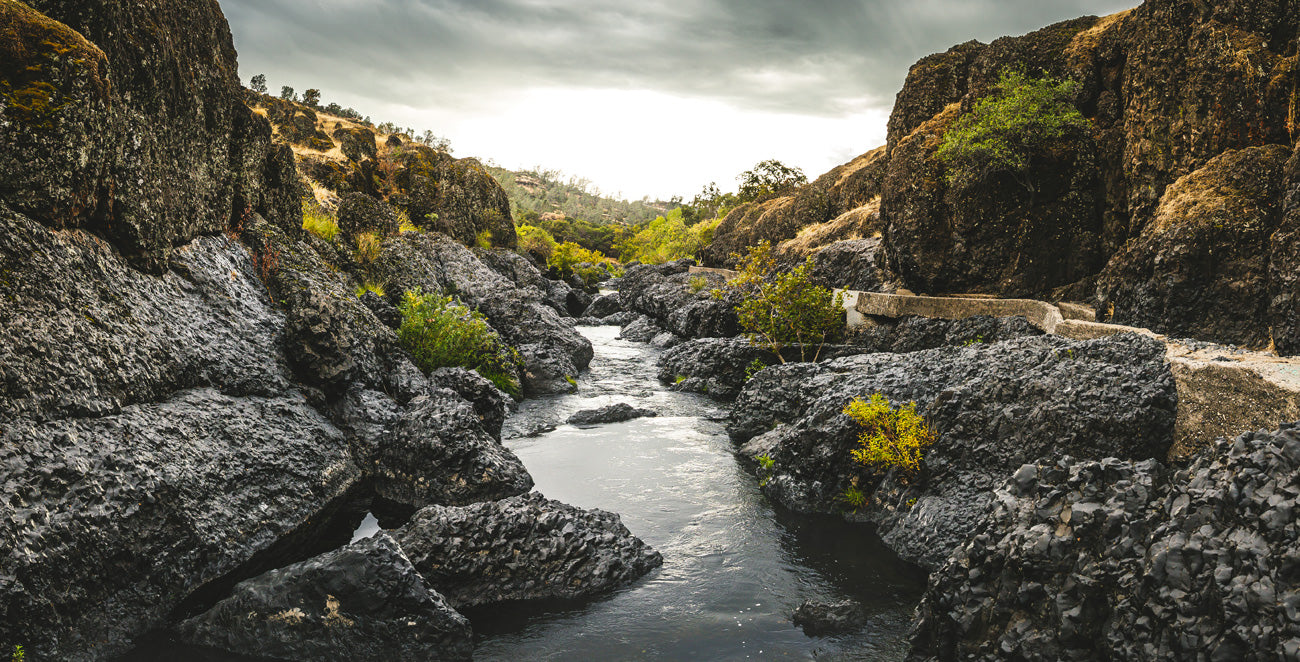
(1042, 315)
(1080, 330)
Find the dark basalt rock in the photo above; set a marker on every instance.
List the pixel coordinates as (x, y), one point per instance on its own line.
(362, 602)
(720, 367)
(358, 143)
(360, 213)
(491, 404)
(849, 265)
(1284, 269)
(603, 306)
(663, 293)
(827, 618)
(386, 312)
(1129, 560)
(522, 548)
(993, 408)
(461, 195)
(642, 329)
(611, 414)
(552, 350)
(913, 334)
(619, 319)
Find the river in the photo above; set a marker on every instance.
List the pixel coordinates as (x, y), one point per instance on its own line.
(734, 567)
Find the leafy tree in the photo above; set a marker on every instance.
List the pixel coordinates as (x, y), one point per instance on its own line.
(767, 179)
(311, 97)
(258, 83)
(780, 309)
(1006, 131)
(287, 93)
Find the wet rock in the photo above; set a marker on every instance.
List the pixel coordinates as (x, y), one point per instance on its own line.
(603, 306)
(619, 319)
(665, 340)
(827, 618)
(490, 403)
(664, 294)
(360, 213)
(434, 449)
(720, 367)
(1116, 559)
(522, 548)
(642, 329)
(362, 602)
(993, 408)
(552, 350)
(610, 414)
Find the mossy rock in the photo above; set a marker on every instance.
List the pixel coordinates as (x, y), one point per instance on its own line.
(54, 102)
(357, 144)
(360, 213)
(462, 197)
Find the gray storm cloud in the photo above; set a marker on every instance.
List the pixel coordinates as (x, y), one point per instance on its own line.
(818, 58)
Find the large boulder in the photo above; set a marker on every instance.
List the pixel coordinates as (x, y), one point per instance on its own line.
(666, 295)
(361, 602)
(360, 213)
(914, 333)
(616, 413)
(1200, 268)
(457, 197)
(992, 407)
(1126, 560)
(719, 367)
(523, 548)
(357, 143)
(168, 156)
(849, 265)
(552, 350)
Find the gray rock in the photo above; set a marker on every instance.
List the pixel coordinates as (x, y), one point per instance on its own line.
(490, 403)
(610, 414)
(720, 367)
(663, 293)
(619, 319)
(665, 340)
(386, 312)
(993, 407)
(360, 213)
(522, 548)
(603, 306)
(849, 265)
(361, 602)
(827, 618)
(1116, 559)
(643, 329)
(913, 334)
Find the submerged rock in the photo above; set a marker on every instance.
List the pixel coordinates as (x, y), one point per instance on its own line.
(825, 618)
(362, 602)
(610, 414)
(1126, 560)
(522, 548)
(992, 407)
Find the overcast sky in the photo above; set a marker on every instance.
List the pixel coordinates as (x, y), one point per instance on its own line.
(644, 97)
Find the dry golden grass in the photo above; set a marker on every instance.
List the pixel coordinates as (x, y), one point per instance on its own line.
(1086, 42)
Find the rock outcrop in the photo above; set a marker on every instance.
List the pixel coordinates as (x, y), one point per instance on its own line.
(524, 548)
(664, 294)
(361, 602)
(829, 618)
(611, 414)
(992, 407)
(1129, 560)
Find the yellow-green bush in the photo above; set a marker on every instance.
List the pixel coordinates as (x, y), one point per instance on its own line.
(780, 309)
(535, 240)
(368, 247)
(892, 437)
(440, 333)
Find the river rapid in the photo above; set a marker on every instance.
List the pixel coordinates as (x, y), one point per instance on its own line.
(734, 567)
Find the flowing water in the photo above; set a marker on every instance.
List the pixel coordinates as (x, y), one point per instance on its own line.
(734, 568)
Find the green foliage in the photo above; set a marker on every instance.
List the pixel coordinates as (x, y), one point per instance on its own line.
(1024, 119)
(258, 83)
(779, 309)
(570, 258)
(369, 286)
(680, 379)
(854, 498)
(766, 467)
(756, 366)
(710, 204)
(572, 381)
(318, 221)
(767, 179)
(536, 241)
(484, 240)
(19, 655)
(973, 341)
(440, 333)
(404, 223)
(698, 283)
(892, 437)
(665, 239)
(311, 98)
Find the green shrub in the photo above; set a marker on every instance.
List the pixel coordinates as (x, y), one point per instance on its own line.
(854, 498)
(756, 366)
(892, 437)
(368, 247)
(567, 255)
(665, 239)
(369, 286)
(440, 333)
(318, 221)
(766, 468)
(698, 283)
(484, 240)
(1023, 119)
(535, 240)
(788, 308)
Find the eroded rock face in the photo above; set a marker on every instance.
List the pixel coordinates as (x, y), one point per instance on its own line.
(1129, 560)
(460, 193)
(1200, 268)
(1284, 270)
(604, 306)
(360, 213)
(361, 602)
(523, 548)
(993, 408)
(664, 294)
(612, 414)
(173, 157)
(913, 334)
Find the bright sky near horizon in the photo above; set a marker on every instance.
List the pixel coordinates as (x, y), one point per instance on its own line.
(654, 98)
